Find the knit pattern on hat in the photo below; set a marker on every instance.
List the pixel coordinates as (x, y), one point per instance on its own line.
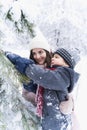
(66, 56)
(39, 42)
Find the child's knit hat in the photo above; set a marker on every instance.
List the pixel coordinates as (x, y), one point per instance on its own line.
(39, 42)
(66, 56)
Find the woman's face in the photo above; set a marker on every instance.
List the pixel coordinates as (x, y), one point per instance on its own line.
(39, 55)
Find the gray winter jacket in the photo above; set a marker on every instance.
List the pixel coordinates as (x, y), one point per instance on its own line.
(61, 80)
(57, 83)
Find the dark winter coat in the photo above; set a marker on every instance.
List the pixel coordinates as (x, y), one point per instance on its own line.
(57, 83)
(61, 80)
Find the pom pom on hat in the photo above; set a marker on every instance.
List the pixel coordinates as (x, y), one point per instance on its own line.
(39, 42)
(66, 55)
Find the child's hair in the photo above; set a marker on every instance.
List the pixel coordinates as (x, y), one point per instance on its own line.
(47, 60)
(66, 56)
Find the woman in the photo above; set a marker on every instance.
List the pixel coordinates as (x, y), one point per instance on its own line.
(40, 54)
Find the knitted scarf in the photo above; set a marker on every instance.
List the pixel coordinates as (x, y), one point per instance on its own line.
(39, 101)
(39, 98)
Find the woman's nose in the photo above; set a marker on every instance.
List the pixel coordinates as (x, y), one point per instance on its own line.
(37, 56)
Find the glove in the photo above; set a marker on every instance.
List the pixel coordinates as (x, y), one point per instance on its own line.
(19, 62)
(12, 57)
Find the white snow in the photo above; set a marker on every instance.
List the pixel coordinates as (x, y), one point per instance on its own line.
(41, 11)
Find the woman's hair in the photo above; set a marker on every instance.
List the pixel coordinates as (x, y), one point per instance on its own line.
(47, 60)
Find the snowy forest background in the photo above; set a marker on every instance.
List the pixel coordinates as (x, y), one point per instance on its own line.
(63, 23)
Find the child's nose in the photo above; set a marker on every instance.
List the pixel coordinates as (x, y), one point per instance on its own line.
(52, 58)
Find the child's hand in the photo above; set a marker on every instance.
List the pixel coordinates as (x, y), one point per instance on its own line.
(66, 107)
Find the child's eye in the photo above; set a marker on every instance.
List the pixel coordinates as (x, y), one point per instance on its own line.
(56, 56)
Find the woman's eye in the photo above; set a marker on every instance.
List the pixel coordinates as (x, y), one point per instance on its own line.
(40, 52)
(33, 54)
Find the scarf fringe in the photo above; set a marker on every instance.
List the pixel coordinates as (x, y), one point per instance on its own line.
(39, 101)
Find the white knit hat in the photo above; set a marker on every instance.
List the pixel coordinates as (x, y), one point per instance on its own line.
(39, 42)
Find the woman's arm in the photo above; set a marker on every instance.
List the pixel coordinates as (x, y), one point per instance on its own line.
(19, 62)
(12, 57)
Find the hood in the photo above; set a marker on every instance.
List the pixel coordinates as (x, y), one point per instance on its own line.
(74, 76)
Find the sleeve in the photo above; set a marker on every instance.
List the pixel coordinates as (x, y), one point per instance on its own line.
(12, 57)
(31, 86)
(19, 62)
(51, 79)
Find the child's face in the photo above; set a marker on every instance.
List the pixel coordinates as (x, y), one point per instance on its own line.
(58, 60)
